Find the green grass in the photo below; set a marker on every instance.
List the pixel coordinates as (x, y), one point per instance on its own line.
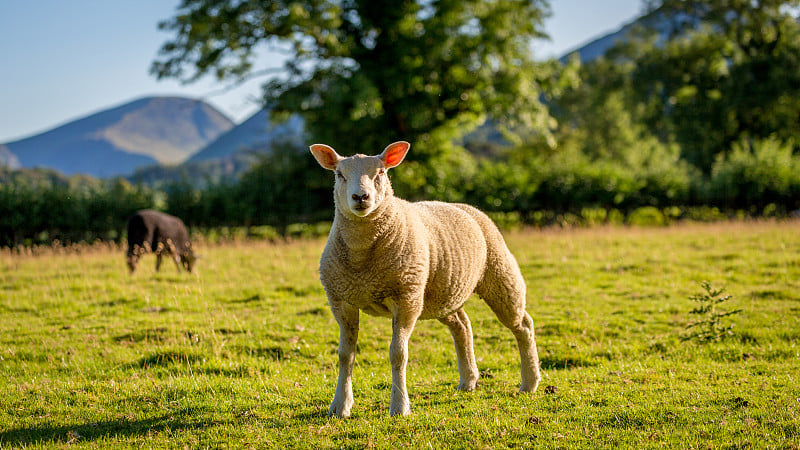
(243, 353)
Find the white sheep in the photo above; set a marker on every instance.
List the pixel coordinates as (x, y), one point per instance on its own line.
(410, 261)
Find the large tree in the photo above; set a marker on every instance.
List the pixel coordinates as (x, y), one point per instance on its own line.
(366, 72)
(730, 70)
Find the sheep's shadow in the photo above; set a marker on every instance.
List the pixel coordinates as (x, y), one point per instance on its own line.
(86, 432)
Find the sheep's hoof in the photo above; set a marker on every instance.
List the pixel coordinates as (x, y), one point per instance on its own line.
(467, 386)
(339, 411)
(402, 412)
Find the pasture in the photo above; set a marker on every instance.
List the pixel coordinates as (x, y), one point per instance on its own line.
(242, 353)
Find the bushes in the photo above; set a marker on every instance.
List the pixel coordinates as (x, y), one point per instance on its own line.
(755, 174)
(40, 214)
(755, 178)
(570, 181)
(647, 216)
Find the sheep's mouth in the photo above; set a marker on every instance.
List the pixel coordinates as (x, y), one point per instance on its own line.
(360, 204)
(361, 209)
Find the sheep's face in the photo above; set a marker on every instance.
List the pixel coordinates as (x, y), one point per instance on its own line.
(361, 181)
(361, 184)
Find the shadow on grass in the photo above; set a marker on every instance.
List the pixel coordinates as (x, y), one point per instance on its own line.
(114, 429)
(314, 415)
(271, 353)
(298, 292)
(313, 312)
(167, 358)
(252, 298)
(565, 363)
(148, 335)
(121, 301)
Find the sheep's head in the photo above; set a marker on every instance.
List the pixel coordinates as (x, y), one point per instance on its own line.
(187, 260)
(361, 182)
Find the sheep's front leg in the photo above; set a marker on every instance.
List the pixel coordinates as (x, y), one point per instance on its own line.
(177, 261)
(402, 326)
(347, 317)
(173, 254)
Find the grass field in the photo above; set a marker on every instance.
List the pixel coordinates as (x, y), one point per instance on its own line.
(243, 352)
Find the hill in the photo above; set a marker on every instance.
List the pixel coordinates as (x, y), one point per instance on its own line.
(256, 133)
(227, 156)
(664, 25)
(119, 140)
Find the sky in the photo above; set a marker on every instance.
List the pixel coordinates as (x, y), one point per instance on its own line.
(63, 60)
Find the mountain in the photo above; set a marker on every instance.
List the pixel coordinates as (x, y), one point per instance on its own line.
(665, 25)
(599, 46)
(255, 133)
(229, 155)
(118, 140)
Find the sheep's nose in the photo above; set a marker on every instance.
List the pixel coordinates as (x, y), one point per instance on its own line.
(360, 198)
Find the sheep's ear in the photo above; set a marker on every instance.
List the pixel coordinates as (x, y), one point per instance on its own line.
(326, 156)
(394, 153)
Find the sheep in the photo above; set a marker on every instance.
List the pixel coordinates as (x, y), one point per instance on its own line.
(161, 233)
(413, 261)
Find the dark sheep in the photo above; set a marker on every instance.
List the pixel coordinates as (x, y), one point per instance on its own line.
(153, 231)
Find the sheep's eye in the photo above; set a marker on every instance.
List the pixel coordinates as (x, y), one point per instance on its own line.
(340, 176)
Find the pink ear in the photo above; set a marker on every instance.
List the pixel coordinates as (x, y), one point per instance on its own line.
(326, 156)
(394, 153)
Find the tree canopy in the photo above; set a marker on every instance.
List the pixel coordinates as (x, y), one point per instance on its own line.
(728, 70)
(366, 72)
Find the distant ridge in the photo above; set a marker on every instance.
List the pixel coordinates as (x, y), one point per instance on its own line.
(229, 155)
(599, 46)
(119, 140)
(656, 20)
(256, 133)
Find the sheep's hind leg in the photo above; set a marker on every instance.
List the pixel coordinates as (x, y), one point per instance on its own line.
(529, 355)
(507, 300)
(347, 317)
(460, 328)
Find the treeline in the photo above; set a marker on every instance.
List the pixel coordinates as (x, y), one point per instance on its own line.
(525, 185)
(68, 212)
(751, 178)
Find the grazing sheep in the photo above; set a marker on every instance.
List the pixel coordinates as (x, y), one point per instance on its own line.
(153, 231)
(409, 261)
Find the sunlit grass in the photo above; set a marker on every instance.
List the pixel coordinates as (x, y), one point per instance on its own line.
(243, 352)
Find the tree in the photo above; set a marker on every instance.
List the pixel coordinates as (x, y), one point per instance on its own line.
(729, 70)
(366, 72)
